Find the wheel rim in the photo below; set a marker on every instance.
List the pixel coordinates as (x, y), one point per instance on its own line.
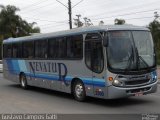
(23, 82)
(79, 90)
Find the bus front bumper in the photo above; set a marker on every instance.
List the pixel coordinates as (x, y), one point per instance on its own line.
(119, 92)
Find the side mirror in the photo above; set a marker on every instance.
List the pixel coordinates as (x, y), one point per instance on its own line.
(105, 40)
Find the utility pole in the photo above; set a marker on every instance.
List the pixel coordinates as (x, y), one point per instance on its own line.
(70, 13)
(69, 7)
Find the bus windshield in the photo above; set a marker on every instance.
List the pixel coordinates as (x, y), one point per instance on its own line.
(130, 50)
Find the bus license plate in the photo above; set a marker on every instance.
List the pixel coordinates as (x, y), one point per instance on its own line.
(138, 94)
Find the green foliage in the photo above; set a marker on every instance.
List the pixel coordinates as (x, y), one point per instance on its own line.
(155, 30)
(119, 21)
(12, 25)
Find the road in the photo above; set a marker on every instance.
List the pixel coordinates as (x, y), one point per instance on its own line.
(13, 99)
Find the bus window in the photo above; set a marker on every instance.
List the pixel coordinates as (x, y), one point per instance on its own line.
(7, 50)
(41, 49)
(94, 52)
(28, 49)
(16, 50)
(57, 48)
(66, 48)
(62, 48)
(75, 47)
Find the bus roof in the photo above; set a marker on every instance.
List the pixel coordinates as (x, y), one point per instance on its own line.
(76, 31)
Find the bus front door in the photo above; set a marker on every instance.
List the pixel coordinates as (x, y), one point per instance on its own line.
(95, 62)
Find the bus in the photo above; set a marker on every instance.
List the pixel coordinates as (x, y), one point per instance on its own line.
(108, 62)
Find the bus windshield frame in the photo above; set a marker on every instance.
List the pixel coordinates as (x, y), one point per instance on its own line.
(130, 51)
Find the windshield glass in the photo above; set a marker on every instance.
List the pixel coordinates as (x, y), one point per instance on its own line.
(144, 46)
(130, 50)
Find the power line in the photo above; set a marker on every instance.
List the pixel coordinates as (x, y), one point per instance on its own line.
(138, 18)
(128, 14)
(53, 26)
(130, 18)
(121, 9)
(34, 4)
(94, 15)
(33, 10)
(77, 4)
(69, 7)
(62, 4)
(47, 20)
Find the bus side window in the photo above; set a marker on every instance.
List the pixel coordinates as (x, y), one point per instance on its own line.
(97, 56)
(57, 48)
(7, 50)
(41, 48)
(51, 48)
(75, 47)
(62, 48)
(88, 54)
(28, 49)
(16, 50)
(94, 52)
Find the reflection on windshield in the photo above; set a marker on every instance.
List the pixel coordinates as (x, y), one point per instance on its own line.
(144, 45)
(120, 49)
(130, 50)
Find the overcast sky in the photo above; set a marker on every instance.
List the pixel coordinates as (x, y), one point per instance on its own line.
(51, 16)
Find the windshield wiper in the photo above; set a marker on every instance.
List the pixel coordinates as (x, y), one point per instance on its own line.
(130, 60)
(141, 58)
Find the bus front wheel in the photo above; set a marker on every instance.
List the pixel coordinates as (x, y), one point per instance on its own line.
(23, 81)
(79, 91)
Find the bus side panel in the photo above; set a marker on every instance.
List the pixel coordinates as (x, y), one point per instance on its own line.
(11, 70)
(52, 74)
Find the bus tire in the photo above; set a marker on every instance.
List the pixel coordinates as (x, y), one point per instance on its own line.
(23, 81)
(79, 92)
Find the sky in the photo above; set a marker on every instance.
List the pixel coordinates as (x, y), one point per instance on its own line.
(52, 16)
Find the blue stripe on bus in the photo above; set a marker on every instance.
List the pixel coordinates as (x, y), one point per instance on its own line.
(16, 66)
(22, 65)
(86, 81)
(9, 64)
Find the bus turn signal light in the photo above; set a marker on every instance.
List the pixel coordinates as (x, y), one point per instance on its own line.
(110, 78)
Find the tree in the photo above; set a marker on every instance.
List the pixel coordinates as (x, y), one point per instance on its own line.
(77, 22)
(87, 22)
(119, 21)
(155, 30)
(101, 23)
(12, 25)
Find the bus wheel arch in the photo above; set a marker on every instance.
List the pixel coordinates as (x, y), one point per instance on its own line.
(23, 80)
(78, 89)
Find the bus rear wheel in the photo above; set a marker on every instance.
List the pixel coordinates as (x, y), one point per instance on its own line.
(79, 91)
(23, 81)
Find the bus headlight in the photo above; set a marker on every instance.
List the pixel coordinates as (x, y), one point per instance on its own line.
(117, 83)
(154, 76)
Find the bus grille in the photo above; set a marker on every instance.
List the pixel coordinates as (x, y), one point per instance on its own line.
(137, 82)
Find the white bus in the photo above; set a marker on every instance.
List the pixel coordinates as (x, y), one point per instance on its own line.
(105, 61)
